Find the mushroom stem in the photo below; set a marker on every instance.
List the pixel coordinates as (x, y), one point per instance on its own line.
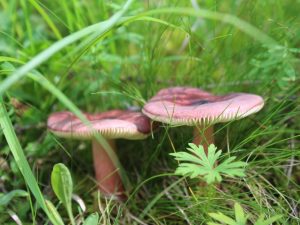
(203, 136)
(107, 176)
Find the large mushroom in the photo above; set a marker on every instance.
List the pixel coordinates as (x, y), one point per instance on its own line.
(201, 109)
(111, 125)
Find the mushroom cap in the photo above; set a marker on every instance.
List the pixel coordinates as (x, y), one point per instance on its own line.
(111, 124)
(192, 106)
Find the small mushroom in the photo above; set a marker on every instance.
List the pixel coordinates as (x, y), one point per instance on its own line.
(111, 125)
(201, 109)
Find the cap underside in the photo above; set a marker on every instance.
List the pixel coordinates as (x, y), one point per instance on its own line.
(118, 133)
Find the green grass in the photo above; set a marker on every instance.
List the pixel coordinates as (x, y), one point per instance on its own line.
(98, 55)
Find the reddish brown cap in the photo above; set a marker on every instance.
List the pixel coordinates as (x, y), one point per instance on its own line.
(111, 124)
(191, 106)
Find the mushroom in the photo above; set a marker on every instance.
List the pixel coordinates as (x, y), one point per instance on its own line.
(111, 125)
(201, 109)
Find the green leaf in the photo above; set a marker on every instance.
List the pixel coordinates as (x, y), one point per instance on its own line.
(222, 218)
(62, 185)
(92, 219)
(54, 215)
(7, 197)
(197, 163)
(269, 221)
(239, 214)
(211, 223)
(240, 218)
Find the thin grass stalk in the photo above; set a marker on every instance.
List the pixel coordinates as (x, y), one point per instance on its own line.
(242, 25)
(46, 18)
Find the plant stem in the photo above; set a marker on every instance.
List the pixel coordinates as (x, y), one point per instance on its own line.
(71, 217)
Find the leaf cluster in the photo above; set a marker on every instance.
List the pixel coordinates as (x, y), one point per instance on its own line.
(241, 218)
(196, 163)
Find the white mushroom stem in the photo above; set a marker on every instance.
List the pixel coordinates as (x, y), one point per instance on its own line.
(107, 175)
(203, 135)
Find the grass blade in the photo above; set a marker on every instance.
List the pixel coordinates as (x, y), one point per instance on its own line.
(99, 28)
(46, 18)
(18, 154)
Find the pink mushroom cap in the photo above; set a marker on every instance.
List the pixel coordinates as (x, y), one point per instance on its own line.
(111, 124)
(192, 106)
